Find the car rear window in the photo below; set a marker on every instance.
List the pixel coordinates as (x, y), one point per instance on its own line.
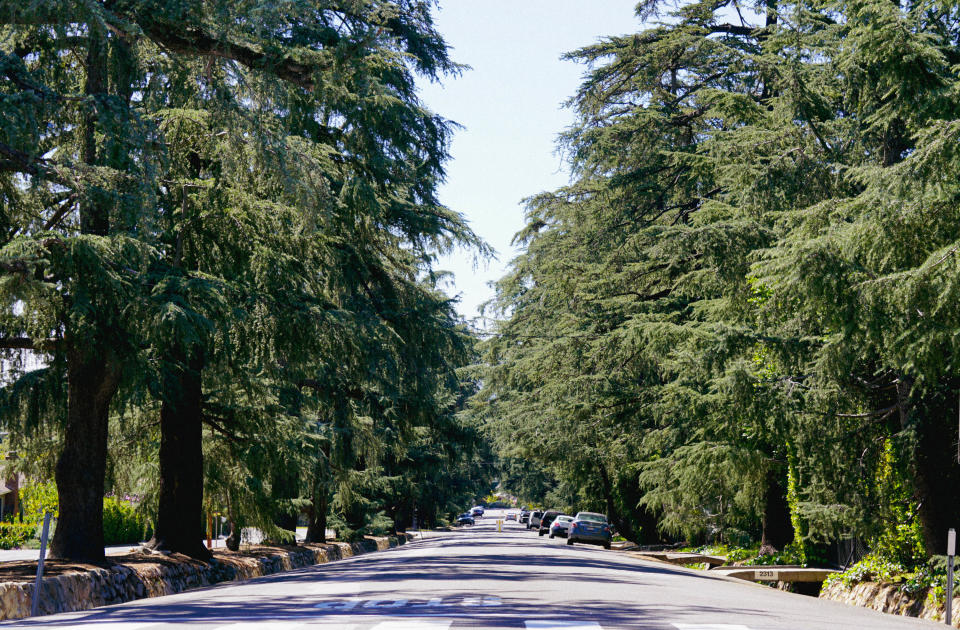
(590, 516)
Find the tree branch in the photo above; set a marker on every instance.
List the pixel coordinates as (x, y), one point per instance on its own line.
(194, 41)
(220, 429)
(871, 414)
(26, 343)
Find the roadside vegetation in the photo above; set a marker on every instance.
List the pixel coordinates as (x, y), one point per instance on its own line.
(218, 226)
(737, 324)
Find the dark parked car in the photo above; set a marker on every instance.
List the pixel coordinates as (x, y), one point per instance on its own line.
(546, 520)
(590, 527)
(465, 519)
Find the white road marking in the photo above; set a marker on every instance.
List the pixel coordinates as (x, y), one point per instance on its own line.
(562, 625)
(385, 603)
(265, 625)
(709, 626)
(486, 600)
(414, 624)
(119, 625)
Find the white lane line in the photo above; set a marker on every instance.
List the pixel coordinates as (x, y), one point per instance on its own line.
(264, 625)
(709, 626)
(414, 624)
(562, 625)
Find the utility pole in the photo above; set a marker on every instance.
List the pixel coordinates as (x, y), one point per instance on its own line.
(951, 552)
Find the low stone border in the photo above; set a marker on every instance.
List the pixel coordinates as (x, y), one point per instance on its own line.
(889, 598)
(141, 575)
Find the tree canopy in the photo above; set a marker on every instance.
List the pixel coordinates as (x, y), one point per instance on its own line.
(734, 322)
(218, 225)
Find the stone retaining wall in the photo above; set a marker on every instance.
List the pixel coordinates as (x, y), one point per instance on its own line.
(156, 575)
(889, 598)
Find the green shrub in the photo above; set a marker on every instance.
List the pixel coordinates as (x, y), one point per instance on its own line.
(37, 498)
(14, 535)
(792, 554)
(122, 524)
(873, 568)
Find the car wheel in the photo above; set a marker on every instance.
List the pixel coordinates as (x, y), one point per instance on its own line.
(551, 535)
(606, 545)
(569, 541)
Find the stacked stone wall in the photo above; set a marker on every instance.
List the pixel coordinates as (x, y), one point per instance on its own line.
(891, 599)
(169, 574)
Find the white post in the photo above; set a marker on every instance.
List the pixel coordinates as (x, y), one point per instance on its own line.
(951, 552)
(35, 599)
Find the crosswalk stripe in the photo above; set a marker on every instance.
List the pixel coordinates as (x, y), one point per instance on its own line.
(414, 624)
(542, 624)
(709, 626)
(113, 625)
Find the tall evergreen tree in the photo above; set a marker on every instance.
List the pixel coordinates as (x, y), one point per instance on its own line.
(235, 187)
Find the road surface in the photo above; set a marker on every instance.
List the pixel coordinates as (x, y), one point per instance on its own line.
(476, 577)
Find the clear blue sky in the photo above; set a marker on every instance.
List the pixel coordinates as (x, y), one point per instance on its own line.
(510, 105)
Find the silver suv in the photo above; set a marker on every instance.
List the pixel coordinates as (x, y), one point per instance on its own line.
(534, 521)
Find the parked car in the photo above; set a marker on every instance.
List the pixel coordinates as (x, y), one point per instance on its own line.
(560, 525)
(465, 519)
(534, 520)
(590, 527)
(546, 520)
(524, 515)
(477, 510)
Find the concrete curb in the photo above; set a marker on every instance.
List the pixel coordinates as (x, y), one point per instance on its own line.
(120, 583)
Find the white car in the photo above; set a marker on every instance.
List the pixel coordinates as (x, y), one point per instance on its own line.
(560, 526)
(512, 516)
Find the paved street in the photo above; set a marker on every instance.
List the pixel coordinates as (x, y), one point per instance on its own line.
(478, 578)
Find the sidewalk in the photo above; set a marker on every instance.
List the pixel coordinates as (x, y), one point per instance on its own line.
(17, 555)
(250, 535)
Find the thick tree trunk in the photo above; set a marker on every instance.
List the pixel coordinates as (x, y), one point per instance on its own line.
(317, 528)
(92, 378)
(777, 527)
(286, 486)
(92, 382)
(612, 513)
(180, 514)
(937, 472)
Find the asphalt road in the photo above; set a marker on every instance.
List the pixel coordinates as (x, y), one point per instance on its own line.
(476, 577)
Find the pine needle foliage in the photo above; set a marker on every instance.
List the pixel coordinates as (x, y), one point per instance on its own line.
(223, 216)
(735, 320)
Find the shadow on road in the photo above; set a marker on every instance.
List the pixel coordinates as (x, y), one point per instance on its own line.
(510, 614)
(406, 573)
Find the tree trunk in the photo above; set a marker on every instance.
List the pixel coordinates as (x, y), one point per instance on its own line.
(180, 514)
(612, 513)
(777, 527)
(286, 487)
(92, 378)
(317, 528)
(937, 473)
(92, 382)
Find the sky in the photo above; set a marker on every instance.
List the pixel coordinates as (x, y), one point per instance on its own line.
(510, 105)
